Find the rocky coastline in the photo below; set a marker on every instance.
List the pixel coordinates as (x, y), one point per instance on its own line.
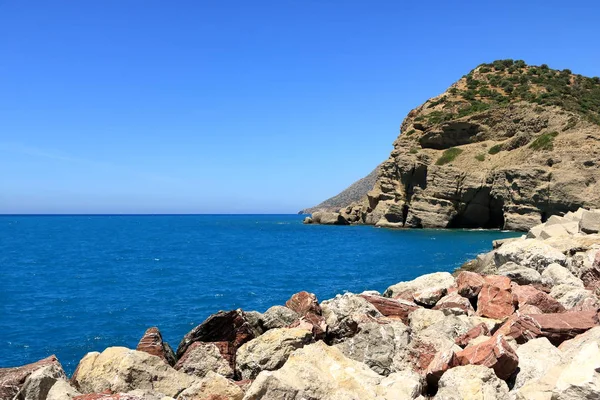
(520, 322)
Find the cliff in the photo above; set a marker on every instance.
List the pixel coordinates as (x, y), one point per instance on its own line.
(506, 146)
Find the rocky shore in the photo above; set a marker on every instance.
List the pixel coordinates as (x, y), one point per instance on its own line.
(521, 322)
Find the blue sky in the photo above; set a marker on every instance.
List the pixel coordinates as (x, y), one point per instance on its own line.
(114, 106)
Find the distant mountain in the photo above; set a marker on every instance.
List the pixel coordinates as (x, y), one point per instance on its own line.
(352, 194)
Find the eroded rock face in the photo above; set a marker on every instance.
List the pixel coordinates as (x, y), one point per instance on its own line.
(119, 369)
(12, 379)
(152, 343)
(270, 351)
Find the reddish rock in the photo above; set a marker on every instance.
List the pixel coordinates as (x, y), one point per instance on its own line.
(495, 299)
(469, 284)
(11, 379)
(244, 384)
(421, 354)
(529, 309)
(226, 329)
(441, 362)
(304, 303)
(560, 327)
(152, 343)
(528, 295)
(455, 304)
(520, 327)
(479, 330)
(391, 307)
(494, 353)
(313, 323)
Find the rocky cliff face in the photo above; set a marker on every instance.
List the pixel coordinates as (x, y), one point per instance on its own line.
(506, 146)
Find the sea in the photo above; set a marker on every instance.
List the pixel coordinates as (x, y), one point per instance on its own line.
(79, 283)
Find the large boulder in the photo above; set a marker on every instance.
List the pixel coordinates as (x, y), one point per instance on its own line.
(38, 384)
(152, 343)
(278, 317)
(536, 357)
(493, 353)
(471, 382)
(328, 218)
(304, 303)
(569, 296)
(556, 274)
(12, 379)
(529, 253)
(344, 313)
(119, 369)
(270, 351)
(227, 329)
(560, 327)
(426, 289)
(202, 358)
(62, 390)
(527, 295)
(394, 308)
(319, 371)
(378, 344)
(590, 221)
(519, 274)
(495, 299)
(454, 304)
(212, 387)
(580, 379)
(469, 284)
(423, 318)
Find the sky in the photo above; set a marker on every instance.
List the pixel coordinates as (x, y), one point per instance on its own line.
(123, 106)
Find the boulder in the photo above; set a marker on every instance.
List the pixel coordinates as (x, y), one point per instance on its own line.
(423, 318)
(528, 295)
(469, 284)
(62, 390)
(402, 385)
(212, 387)
(573, 346)
(318, 371)
(119, 369)
(313, 323)
(477, 331)
(536, 358)
(495, 299)
(427, 288)
(304, 303)
(553, 231)
(391, 307)
(454, 304)
(494, 353)
(590, 221)
(587, 304)
(519, 274)
(521, 327)
(580, 379)
(202, 358)
(152, 343)
(446, 329)
(529, 253)
(12, 379)
(529, 309)
(569, 296)
(344, 313)
(269, 351)
(556, 274)
(471, 382)
(38, 384)
(328, 218)
(227, 329)
(378, 344)
(442, 362)
(278, 317)
(560, 327)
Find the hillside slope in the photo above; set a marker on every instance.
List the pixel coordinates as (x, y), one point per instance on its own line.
(352, 194)
(506, 146)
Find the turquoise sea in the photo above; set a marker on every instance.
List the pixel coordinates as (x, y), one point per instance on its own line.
(74, 284)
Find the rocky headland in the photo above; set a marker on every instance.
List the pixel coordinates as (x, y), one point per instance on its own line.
(507, 146)
(520, 322)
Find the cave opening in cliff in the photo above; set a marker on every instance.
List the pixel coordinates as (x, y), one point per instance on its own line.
(487, 214)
